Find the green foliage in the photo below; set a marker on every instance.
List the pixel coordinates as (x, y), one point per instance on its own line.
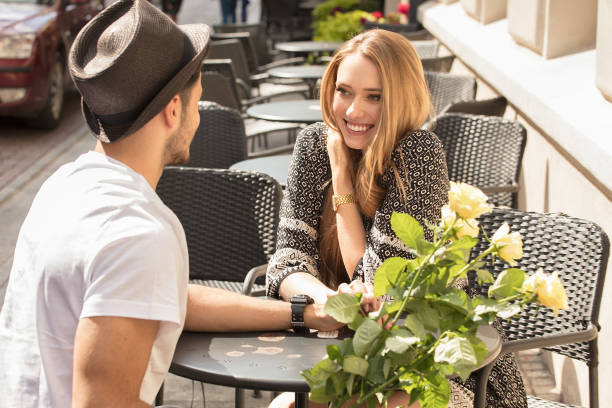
(424, 331)
(341, 26)
(326, 9)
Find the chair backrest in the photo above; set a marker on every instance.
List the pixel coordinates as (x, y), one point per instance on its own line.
(438, 64)
(447, 88)
(258, 37)
(248, 47)
(426, 48)
(219, 83)
(484, 151)
(220, 140)
(232, 49)
(229, 217)
(490, 107)
(578, 251)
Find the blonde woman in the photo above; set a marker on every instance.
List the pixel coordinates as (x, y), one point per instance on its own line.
(349, 174)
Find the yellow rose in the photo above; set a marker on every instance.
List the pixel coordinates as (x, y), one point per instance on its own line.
(462, 227)
(551, 293)
(509, 245)
(532, 283)
(467, 201)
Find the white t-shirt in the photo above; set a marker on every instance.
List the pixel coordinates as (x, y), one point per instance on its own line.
(97, 241)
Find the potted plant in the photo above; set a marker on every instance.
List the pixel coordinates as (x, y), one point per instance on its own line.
(553, 28)
(485, 11)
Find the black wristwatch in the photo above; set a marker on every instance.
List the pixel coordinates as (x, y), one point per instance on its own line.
(298, 304)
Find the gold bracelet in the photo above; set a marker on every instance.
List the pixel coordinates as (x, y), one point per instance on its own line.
(339, 199)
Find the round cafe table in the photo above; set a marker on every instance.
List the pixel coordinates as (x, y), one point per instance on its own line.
(300, 111)
(275, 166)
(267, 361)
(308, 73)
(305, 47)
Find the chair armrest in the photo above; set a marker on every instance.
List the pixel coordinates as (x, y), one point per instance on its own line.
(509, 188)
(253, 274)
(512, 346)
(266, 98)
(272, 152)
(280, 63)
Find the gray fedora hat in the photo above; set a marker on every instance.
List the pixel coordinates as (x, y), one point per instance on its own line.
(128, 63)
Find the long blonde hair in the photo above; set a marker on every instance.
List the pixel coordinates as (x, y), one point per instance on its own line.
(405, 106)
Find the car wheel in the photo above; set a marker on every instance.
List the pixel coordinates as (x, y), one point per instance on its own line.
(51, 114)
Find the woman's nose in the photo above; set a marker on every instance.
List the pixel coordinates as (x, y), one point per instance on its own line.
(354, 110)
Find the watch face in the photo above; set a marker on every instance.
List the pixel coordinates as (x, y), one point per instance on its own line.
(301, 299)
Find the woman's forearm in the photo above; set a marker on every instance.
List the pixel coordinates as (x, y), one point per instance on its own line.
(302, 283)
(351, 234)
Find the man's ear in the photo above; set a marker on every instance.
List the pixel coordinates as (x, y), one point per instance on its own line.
(171, 113)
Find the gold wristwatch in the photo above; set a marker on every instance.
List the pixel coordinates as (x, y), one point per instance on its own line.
(339, 199)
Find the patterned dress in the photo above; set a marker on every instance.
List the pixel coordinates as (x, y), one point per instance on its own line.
(420, 162)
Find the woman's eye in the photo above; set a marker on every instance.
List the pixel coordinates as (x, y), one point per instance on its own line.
(375, 97)
(342, 91)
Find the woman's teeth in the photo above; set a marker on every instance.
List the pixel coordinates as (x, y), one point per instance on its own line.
(357, 128)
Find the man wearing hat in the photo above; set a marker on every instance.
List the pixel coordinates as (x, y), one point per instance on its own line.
(98, 292)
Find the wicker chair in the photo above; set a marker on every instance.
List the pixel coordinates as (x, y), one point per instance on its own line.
(578, 251)
(426, 48)
(489, 107)
(438, 64)
(221, 141)
(283, 22)
(484, 151)
(225, 213)
(448, 88)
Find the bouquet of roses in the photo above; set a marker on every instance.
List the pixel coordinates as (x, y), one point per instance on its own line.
(426, 329)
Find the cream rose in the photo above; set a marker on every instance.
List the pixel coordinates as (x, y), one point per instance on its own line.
(532, 283)
(462, 227)
(509, 245)
(551, 293)
(467, 201)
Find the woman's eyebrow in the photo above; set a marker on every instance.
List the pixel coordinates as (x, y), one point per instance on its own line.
(366, 89)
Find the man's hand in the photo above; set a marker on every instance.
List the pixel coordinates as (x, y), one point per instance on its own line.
(316, 318)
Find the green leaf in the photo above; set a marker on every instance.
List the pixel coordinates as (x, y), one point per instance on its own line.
(456, 298)
(355, 365)
(430, 318)
(343, 307)
(349, 384)
(333, 352)
(484, 276)
(436, 395)
(375, 373)
(415, 325)
(365, 335)
(386, 368)
(400, 340)
(480, 349)
(356, 322)
(458, 352)
(407, 228)
(387, 274)
(320, 394)
(507, 283)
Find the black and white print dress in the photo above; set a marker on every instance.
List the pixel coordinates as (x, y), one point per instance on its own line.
(420, 162)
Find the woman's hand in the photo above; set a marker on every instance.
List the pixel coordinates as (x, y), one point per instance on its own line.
(316, 318)
(369, 303)
(338, 152)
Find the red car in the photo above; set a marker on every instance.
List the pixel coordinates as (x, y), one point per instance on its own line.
(35, 37)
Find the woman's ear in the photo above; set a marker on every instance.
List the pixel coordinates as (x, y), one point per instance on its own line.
(171, 113)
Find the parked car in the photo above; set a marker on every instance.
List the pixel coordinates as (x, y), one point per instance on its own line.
(35, 37)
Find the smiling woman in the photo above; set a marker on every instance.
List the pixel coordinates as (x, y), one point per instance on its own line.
(368, 159)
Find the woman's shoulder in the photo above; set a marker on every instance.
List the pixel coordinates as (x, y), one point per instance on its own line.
(418, 140)
(312, 137)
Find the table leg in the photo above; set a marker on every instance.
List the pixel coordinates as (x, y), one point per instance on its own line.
(301, 400)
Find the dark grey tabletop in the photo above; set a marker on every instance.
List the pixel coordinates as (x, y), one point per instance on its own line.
(307, 46)
(275, 166)
(301, 111)
(268, 361)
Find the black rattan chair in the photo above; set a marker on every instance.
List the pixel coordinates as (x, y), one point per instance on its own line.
(578, 251)
(229, 217)
(484, 151)
(438, 64)
(489, 107)
(448, 88)
(221, 141)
